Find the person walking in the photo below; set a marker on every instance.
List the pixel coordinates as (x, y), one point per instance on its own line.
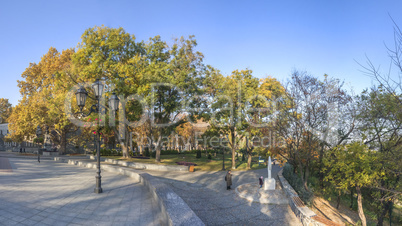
(228, 179)
(261, 181)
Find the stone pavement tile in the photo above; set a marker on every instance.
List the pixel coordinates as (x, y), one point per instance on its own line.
(118, 223)
(61, 223)
(28, 222)
(276, 213)
(78, 221)
(106, 218)
(132, 223)
(18, 218)
(9, 222)
(200, 204)
(147, 220)
(256, 222)
(55, 216)
(212, 217)
(49, 221)
(7, 214)
(37, 218)
(120, 219)
(283, 222)
(83, 216)
(244, 212)
(71, 215)
(43, 214)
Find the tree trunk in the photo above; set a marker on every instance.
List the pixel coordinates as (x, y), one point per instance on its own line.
(381, 216)
(249, 157)
(124, 149)
(360, 206)
(351, 198)
(63, 142)
(158, 148)
(391, 205)
(306, 175)
(321, 174)
(124, 141)
(232, 131)
(158, 153)
(338, 201)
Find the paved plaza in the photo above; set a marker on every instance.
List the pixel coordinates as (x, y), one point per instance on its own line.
(53, 193)
(206, 194)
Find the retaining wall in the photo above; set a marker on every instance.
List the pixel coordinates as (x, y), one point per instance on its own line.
(137, 165)
(305, 215)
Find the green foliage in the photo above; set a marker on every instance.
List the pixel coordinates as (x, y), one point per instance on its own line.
(198, 154)
(109, 152)
(38, 140)
(209, 156)
(169, 152)
(147, 153)
(296, 182)
(5, 110)
(350, 166)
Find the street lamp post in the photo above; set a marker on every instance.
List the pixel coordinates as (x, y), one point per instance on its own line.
(38, 134)
(81, 96)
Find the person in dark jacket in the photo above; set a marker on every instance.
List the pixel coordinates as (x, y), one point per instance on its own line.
(261, 181)
(228, 179)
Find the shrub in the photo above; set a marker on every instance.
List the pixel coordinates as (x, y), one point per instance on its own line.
(209, 156)
(198, 154)
(296, 182)
(153, 154)
(146, 153)
(169, 152)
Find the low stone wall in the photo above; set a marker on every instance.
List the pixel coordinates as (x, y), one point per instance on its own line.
(137, 165)
(173, 208)
(305, 215)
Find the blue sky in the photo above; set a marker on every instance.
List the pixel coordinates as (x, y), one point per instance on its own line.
(270, 37)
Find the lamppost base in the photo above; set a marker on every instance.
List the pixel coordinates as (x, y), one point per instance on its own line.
(98, 190)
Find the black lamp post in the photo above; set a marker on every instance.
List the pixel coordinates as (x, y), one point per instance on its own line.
(81, 96)
(38, 134)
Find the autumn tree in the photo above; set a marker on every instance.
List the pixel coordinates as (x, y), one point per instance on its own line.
(161, 76)
(228, 109)
(308, 120)
(262, 108)
(353, 165)
(381, 129)
(43, 90)
(5, 110)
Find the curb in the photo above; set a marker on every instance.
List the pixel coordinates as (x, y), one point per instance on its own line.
(305, 215)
